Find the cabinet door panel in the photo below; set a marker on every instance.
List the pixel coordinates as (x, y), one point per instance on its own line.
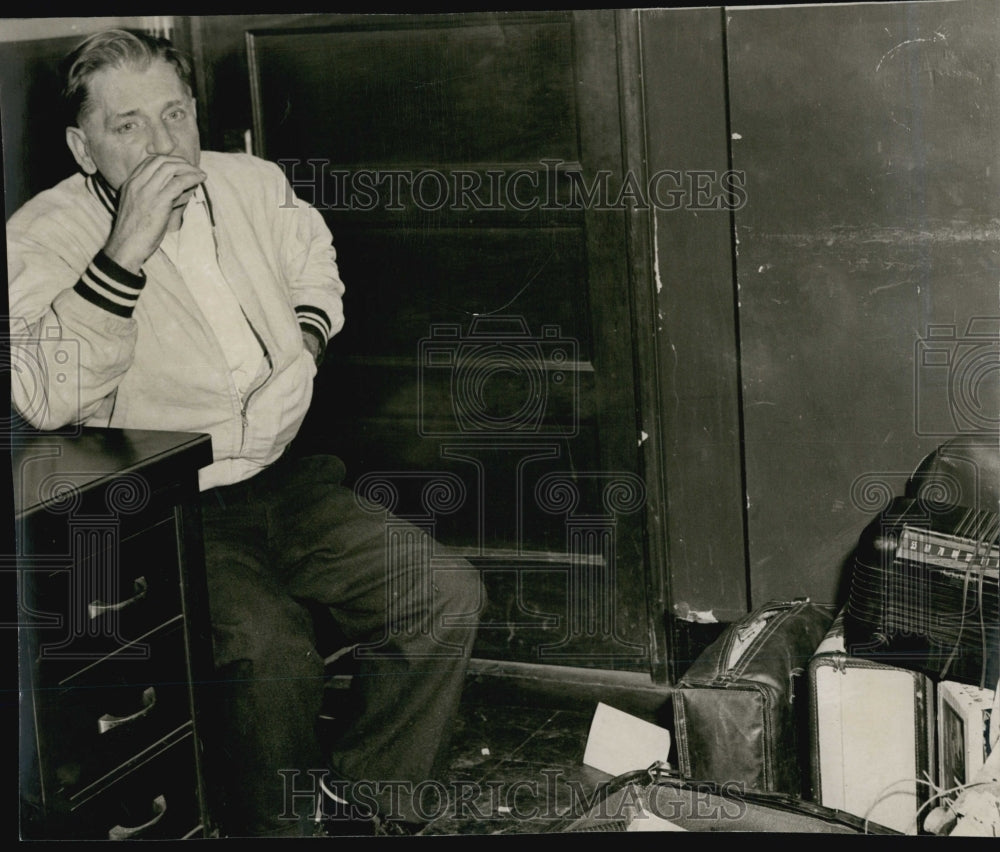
(464, 164)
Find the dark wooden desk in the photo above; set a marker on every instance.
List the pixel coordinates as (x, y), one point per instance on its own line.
(113, 634)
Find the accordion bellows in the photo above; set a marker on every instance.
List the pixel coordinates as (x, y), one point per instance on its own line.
(924, 591)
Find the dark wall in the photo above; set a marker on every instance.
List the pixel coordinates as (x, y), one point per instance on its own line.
(684, 101)
(34, 137)
(868, 134)
(814, 344)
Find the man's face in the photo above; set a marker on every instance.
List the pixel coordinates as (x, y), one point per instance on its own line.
(133, 115)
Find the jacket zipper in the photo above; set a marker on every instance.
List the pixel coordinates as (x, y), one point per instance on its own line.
(258, 386)
(232, 384)
(244, 420)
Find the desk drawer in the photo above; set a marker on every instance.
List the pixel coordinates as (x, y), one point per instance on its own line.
(106, 714)
(153, 799)
(109, 593)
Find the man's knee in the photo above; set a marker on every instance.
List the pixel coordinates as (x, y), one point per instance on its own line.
(459, 592)
(274, 635)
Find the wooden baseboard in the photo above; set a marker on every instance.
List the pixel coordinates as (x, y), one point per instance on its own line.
(567, 688)
(558, 687)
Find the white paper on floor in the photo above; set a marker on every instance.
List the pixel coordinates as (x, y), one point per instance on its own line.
(620, 742)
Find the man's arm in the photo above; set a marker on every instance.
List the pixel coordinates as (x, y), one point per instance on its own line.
(72, 333)
(310, 263)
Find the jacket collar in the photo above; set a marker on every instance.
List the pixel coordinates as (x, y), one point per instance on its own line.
(105, 194)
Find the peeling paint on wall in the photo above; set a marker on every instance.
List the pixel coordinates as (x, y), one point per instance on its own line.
(695, 616)
(656, 255)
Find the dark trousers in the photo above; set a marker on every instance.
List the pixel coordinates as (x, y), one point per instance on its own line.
(280, 546)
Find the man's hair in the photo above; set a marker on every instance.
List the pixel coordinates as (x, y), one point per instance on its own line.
(114, 49)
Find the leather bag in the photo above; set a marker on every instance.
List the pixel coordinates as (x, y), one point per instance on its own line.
(739, 718)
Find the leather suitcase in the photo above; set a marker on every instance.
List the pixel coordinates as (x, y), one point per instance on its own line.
(872, 735)
(737, 717)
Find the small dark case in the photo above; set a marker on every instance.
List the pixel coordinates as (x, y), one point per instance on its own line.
(737, 717)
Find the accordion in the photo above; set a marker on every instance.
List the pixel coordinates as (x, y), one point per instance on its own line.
(924, 591)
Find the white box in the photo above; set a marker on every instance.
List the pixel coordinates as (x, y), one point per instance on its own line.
(872, 735)
(963, 723)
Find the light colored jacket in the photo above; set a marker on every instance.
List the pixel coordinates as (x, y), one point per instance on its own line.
(94, 344)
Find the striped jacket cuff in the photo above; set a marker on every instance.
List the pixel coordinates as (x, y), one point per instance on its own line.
(316, 321)
(109, 286)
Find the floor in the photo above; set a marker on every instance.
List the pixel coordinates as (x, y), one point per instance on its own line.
(514, 770)
(515, 760)
(514, 763)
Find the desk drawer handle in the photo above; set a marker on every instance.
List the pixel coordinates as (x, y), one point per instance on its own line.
(107, 722)
(121, 832)
(97, 608)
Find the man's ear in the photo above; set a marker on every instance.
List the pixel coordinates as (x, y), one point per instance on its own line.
(76, 139)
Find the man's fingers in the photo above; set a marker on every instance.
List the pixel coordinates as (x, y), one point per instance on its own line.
(147, 200)
(166, 173)
(181, 183)
(156, 172)
(151, 166)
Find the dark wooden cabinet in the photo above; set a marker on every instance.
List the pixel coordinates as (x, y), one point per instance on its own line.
(470, 167)
(113, 634)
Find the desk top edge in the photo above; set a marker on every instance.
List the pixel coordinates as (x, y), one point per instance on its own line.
(95, 456)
